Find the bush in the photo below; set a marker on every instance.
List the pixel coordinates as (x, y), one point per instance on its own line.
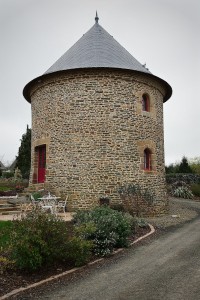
(180, 189)
(8, 174)
(105, 227)
(195, 188)
(79, 250)
(139, 222)
(118, 207)
(5, 264)
(36, 195)
(182, 192)
(187, 178)
(136, 200)
(38, 239)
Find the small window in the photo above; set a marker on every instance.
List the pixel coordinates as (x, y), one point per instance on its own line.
(145, 102)
(147, 159)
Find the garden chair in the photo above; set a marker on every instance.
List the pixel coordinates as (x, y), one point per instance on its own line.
(62, 205)
(49, 204)
(34, 202)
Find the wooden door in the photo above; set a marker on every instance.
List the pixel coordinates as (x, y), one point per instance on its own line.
(41, 163)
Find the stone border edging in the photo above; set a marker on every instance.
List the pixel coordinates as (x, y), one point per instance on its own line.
(22, 289)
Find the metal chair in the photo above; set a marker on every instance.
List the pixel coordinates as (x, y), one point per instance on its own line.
(62, 205)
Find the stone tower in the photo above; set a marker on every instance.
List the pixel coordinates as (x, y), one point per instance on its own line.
(97, 124)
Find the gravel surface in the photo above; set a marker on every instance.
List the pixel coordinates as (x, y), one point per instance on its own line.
(180, 211)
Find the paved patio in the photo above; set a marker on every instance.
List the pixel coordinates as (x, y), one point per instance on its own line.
(68, 216)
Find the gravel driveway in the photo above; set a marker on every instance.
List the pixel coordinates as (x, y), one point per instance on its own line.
(166, 266)
(180, 211)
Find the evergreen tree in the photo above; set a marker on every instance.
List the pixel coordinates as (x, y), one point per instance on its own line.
(172, 168)
(184, 166)
(23, 160)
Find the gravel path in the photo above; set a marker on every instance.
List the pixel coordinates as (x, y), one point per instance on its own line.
(180, 211)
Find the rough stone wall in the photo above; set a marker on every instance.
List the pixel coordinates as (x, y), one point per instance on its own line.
(96, 132)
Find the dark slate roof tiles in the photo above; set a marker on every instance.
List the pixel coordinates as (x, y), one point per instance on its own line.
(97, 49)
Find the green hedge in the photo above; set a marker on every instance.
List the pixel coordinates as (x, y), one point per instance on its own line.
(187, 178)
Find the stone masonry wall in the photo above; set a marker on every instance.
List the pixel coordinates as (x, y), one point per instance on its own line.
(95, 134)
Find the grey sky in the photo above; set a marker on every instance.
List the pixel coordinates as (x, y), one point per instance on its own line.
(164, 34)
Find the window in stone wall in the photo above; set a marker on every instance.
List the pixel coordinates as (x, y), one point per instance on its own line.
(147, 159)
(145, 102)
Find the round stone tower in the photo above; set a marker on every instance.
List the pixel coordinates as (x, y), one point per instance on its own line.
(97, 124)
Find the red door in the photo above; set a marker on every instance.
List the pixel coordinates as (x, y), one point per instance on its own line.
(41, 163)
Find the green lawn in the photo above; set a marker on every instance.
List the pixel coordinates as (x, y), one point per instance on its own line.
(4, 188)
(4, 232)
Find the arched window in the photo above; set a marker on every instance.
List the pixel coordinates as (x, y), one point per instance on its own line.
(147, 159)
(145, 102)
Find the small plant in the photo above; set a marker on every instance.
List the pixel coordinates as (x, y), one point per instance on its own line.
(5, 264)
(142, 223)
(179, 183)
(37, 195)
(136, 200)
(183, 192)
(181, 189)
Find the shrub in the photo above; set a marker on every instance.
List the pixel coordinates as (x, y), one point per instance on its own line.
(38, 239)
(79, 250)
(136, 200)
(118, 207)
(195, 188)
(8, 174)
(107, 228)
(36, 195)
(5, 263)
(183, 192)
(187, 178)
(139, 222)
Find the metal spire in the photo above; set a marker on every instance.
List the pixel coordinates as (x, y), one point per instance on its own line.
(96, 18)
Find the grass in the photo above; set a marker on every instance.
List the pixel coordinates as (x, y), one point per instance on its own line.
(4, 188)
(5, 227)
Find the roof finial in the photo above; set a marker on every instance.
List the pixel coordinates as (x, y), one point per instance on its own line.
(96, 18)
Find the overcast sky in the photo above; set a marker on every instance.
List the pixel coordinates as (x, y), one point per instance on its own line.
(164, 34)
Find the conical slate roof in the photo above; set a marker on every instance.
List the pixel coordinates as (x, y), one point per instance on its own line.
(97, 49)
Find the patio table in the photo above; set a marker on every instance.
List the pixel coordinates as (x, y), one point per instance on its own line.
(49, 202)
